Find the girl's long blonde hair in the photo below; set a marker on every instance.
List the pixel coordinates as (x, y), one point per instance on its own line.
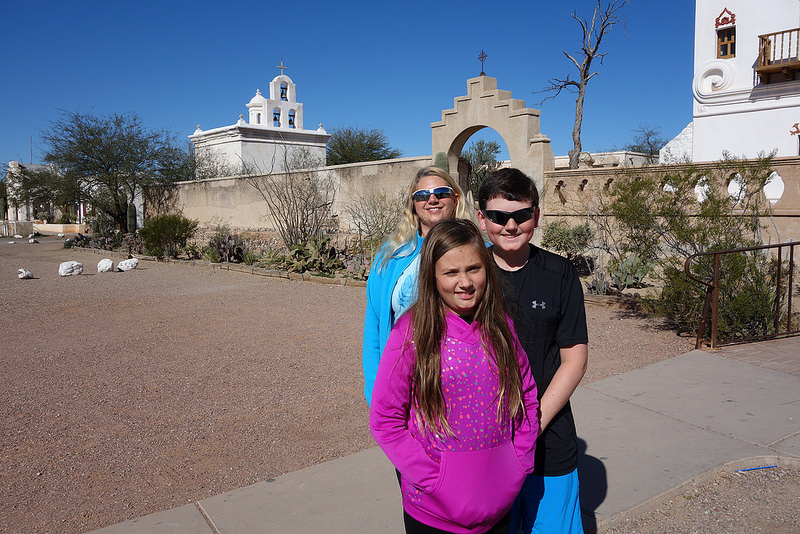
(408, 227)
(429, 328)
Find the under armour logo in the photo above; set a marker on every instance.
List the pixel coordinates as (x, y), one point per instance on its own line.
(536, 305)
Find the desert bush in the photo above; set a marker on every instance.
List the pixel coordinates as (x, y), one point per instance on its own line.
(132, 243)
(193, 251)
(211, 254)
(374, 216)
(102, 243)
(100, 222)
(165, 235)
(572, 241)
(667, 214)
(746, 302)
(79, 241)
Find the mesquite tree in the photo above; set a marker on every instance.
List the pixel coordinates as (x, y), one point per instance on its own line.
(114, 159)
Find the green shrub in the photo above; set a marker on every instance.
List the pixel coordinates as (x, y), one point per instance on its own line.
(250, 258)
(572, 241)
(661, 220)
(746, 296)
(211, 255)
(193, 251)
(100, 222)
(165, 235)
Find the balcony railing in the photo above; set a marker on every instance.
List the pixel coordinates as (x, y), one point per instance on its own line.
(783, 321)
(778, 52)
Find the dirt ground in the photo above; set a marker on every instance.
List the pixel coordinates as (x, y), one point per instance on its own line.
(128, 393)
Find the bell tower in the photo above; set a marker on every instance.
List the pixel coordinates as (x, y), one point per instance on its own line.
(274, 130)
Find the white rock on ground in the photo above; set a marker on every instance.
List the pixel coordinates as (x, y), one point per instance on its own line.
(127, 265)
(60, 235)
(31, 236)
(105, 266)
(31, 240)
(17, 236)
(69, 268)
(12, 242)
(24, 274)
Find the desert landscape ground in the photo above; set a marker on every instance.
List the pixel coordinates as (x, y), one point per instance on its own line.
(126, 393)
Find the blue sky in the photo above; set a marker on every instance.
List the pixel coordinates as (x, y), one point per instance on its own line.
(392, 66)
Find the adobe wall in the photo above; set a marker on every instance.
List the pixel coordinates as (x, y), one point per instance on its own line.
(566, 194)
(235, 203)
(573, 194)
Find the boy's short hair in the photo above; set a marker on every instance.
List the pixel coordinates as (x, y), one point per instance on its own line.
(510, 184)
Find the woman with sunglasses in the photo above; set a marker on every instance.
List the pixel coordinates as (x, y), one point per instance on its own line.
(433, 196)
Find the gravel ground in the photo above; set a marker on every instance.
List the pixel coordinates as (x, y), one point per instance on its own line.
(128, 393)
(764, 500)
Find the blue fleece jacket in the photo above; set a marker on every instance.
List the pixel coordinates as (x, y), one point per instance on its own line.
(378, 317)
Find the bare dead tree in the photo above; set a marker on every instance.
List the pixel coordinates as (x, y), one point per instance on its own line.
(374, 215)
(299, 196)
(603, 19)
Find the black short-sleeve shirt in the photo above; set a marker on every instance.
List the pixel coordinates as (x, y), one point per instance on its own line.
(545, 300)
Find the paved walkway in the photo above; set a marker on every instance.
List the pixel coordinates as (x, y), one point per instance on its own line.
(643, 433)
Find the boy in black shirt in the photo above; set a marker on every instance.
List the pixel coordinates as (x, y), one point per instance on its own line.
(543, 294)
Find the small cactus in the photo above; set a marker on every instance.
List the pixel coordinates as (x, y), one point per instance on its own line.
(441, 161)
(629, 272)
(131, 217)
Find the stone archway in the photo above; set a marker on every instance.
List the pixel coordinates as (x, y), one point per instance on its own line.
(486, 106)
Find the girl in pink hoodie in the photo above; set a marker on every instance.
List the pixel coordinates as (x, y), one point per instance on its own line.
(454, 405)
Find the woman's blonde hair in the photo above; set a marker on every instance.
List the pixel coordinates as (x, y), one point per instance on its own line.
(429, 328)
(408, 227)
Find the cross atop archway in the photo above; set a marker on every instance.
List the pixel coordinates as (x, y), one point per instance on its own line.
(485, 106)
(482, 58)
(282, 67)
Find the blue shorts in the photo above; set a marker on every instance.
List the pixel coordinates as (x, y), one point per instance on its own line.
(548, 505)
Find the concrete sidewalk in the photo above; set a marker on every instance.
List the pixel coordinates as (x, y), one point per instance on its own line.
(643, 433)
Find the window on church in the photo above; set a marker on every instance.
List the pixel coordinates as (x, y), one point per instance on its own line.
(276, 117)
(726, 43)
(291, 118)
(258, 118)
(284, 89)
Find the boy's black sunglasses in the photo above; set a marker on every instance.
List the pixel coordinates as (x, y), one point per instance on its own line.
(502, 217)
(421, 195)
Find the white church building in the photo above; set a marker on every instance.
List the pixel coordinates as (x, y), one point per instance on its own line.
(272, 133)
(745, 87)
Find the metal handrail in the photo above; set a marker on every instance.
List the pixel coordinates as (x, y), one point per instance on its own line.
(711, 304)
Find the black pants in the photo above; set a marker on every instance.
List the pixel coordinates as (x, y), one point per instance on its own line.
(415, 527)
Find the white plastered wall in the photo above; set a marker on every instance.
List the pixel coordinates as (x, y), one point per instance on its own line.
(732, 110)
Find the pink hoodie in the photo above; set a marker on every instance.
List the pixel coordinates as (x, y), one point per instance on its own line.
(464, 483)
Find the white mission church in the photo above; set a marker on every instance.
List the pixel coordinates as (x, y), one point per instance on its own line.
(273, 132)
(746, 93)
